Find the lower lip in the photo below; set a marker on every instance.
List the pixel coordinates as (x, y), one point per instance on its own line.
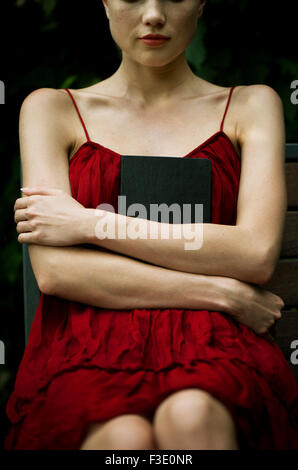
(154, 42)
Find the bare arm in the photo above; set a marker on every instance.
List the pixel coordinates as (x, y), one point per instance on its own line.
(86, 278)
(229, 257)
(44, 146)
(249, 250)
(109, 280)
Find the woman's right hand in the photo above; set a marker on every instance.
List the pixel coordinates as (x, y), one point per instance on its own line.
(251, 304)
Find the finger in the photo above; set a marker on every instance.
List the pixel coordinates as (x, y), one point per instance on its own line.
(21, 203)
(26, 238)
(23, 227)
(30, 237)
(20, 215)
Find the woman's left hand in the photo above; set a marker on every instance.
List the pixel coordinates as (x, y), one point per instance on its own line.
(47, 216)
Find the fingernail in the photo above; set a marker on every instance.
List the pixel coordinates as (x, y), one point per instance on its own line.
(24, 189)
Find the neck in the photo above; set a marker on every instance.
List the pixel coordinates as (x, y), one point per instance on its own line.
(152, 87)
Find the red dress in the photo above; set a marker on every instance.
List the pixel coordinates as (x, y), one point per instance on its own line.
(84, 364)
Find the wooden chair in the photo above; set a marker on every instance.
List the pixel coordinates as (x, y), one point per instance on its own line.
(284, 282)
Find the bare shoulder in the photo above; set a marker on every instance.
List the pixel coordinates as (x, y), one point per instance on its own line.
(49, 104)
(257, 95)
(42, 96)
(257, 98)
(48, 100)
(254, 105)
(48, 107)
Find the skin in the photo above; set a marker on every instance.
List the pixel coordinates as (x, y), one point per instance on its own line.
(148, 87)
(148, 77)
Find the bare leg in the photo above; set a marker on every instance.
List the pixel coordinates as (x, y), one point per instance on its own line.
(193, 419)
(129, 431)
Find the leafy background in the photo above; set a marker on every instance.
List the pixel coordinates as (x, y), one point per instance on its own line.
(54, 44)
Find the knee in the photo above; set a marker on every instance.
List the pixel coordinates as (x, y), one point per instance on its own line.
(130, 433)
(190, 411)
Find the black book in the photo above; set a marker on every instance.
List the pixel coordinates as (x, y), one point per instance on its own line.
(155, 180)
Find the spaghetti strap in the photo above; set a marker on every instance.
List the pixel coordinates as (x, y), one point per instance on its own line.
(73, 100)
(230, 94)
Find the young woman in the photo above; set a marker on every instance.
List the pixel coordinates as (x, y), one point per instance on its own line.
(139, 343)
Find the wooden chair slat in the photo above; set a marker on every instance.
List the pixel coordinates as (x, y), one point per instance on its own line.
(284, 281)
(290, 236)
(291, 169)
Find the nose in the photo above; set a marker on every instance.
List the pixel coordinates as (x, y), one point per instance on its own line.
(153, 12)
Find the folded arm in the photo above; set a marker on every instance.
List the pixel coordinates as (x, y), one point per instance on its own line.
(247, 251)
(225, 250)
(108, 280)
(94, 276)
